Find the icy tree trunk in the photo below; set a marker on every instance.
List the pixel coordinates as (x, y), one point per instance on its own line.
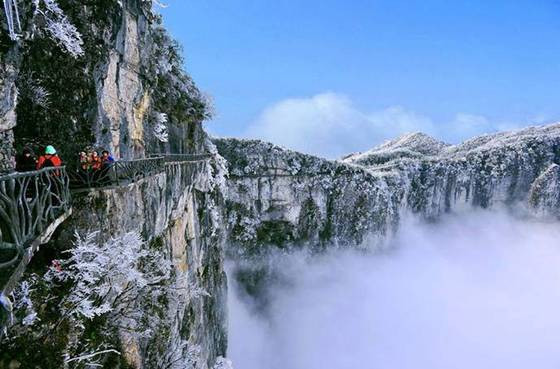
(12, 18)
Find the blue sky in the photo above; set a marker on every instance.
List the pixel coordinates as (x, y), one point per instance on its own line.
(342, 64)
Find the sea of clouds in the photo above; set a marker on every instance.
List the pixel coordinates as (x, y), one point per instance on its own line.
(478, 290)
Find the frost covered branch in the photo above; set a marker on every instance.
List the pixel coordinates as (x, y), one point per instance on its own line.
(154, 3)
(35, 91)
(64, 33)
(109, 277)
(159, 3)
(57, 25)
(24, 302)
(223, 363)
(90, 356)
(160, 127)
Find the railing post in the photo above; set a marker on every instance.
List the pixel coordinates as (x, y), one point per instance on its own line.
(29, 202)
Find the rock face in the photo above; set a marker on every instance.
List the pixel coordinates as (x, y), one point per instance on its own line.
(140, 77)
(127, 93)
(283, 198)
(8, 98)
(177, 212)
(544, 197)
(127, 85)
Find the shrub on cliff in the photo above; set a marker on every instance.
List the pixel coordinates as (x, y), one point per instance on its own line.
(89, 307)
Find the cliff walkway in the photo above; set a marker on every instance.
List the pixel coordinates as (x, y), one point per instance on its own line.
(33, 205)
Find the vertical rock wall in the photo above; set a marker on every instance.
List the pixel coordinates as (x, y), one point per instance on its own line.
(8, 98)
(544, 196)
(177, 213)
(123, 102)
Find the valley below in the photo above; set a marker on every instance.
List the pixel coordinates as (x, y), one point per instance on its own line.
(474, 290)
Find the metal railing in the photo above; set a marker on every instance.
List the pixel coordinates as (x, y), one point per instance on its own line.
(33, 204)
(172, 158)
(127, 171)
(29, 203)
(115, 174)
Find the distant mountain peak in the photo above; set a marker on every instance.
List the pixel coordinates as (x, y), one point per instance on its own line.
(416, 141)
(408, 145)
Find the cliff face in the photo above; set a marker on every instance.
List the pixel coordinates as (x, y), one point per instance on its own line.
(544, 197)
(177, 213)
(178, 322)
(8, 98)
(126, 92)
(487, 171)
(283, 198)
(140, 78)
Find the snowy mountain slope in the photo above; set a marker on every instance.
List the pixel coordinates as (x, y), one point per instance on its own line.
(410, 145)
(281, 197)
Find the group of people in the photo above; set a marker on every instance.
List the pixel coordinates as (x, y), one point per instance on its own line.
(92, 160)
(27, 161)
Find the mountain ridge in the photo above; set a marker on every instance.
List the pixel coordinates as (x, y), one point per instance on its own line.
(364, 197)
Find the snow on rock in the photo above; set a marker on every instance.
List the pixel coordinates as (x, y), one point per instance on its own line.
(411, 145)
(283, 198)
(544, 196)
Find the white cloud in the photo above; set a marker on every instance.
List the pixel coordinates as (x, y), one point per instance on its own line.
(330, 125)
(324, 124)
(478, 290)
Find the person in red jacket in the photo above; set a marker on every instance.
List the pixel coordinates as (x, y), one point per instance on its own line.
(96, 162)
(50, 159)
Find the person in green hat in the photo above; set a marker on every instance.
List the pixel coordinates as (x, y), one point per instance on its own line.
(50, 159)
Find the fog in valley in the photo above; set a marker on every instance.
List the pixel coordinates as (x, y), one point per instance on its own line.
(478, 290)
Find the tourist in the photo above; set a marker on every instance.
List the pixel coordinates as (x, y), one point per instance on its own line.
(49, 159)
(106, 164)
(26, 161)
(96, 162)
(106, 157)
(83, 159)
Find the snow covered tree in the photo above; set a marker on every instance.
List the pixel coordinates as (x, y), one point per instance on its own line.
(160, 127)
(157, 3)
(60, 29)
(110, 277)
(175, 92)
(222, 363)
(50, 18)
